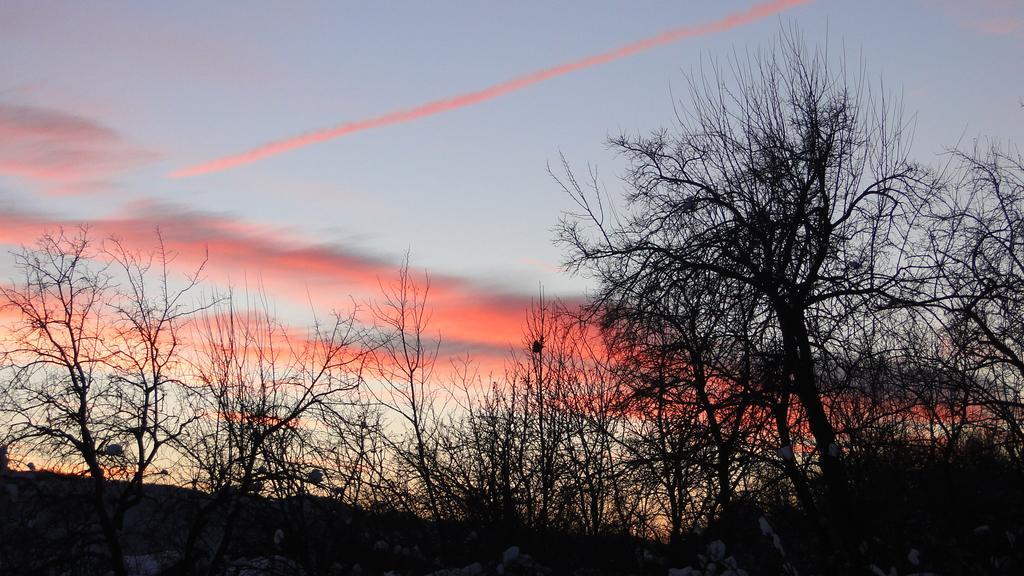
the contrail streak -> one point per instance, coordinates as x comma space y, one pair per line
754, 13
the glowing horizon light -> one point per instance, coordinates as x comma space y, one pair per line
732, 20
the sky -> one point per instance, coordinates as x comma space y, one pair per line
306, 147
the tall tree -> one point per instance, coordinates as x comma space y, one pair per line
973, 281
95, 362
403, 362
784, 177
260, 389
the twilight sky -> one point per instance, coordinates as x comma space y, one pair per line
308, 145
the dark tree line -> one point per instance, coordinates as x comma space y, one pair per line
803, 345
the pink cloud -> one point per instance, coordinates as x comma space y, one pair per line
993, 18
469, 315
998, 26
64, 152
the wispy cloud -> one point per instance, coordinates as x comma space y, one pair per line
733, 20
993, 18
64, 152
997, 26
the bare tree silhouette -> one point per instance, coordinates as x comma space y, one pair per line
786, 177
94, 364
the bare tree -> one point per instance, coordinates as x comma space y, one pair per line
784, 177
404, 361
95, 364
973, 283
542, 373
354, 454
260, 389
486, 446
591, 399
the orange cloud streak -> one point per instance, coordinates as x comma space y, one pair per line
730, 21
470, 316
